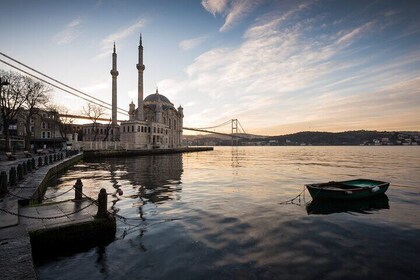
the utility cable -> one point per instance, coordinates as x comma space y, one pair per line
122, 111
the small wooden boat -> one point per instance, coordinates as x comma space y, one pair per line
352, 189
362, 206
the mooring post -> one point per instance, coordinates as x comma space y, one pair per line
12, 176
102, 204
28, 165
51, 159
39, 162
19, 172
78, 189
3, 182
24, 169
33, 164
46, 160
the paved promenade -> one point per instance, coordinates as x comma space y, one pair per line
15, 247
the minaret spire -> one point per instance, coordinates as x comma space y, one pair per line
114, 74
140, 69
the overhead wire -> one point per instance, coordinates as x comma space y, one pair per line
51, 84
121, 111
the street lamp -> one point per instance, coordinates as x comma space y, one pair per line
3, 83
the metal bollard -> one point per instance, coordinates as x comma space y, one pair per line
19, 171
102, 204
24, 170
12, 176
3, 182
46, 160
33, 164
28, 165
78, 189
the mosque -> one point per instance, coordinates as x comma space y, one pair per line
155, 123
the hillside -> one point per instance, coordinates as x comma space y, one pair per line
359, 137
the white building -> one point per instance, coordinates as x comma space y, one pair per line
155, 123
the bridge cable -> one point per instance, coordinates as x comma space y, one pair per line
216, 126
63, 89
38, 72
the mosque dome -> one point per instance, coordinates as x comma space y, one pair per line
155, 98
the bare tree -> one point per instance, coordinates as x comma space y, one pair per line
107, 130
12, 97
36, 98
94, 113
63, 122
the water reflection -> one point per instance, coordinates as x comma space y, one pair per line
225, 222
364, 206
155, 176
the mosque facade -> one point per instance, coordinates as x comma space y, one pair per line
155, 123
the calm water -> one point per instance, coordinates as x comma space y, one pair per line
216, 215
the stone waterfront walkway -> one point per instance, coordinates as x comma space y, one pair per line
15, 247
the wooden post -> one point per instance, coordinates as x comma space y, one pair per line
12, 176
102, 204
51, 159
78, 189
33, 163
3, 182
19, 172
39, 162
46, 160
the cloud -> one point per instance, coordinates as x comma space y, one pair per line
192, 43
107, 42
124, 32
214, 6
349, 36
96, 87
283, 67
232, 10
69, 33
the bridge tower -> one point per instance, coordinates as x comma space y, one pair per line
234, 131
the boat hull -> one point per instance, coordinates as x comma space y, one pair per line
347, 190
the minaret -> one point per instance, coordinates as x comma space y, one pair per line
114, 74
140, 69
131, 111
158, 109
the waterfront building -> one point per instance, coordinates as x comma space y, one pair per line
45, 128
155, 123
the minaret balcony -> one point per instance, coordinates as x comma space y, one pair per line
140, 67
114, 72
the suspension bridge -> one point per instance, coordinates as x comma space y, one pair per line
236, 131
232, 127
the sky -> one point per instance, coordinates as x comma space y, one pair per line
277, 66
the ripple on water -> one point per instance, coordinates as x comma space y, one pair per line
216, 215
